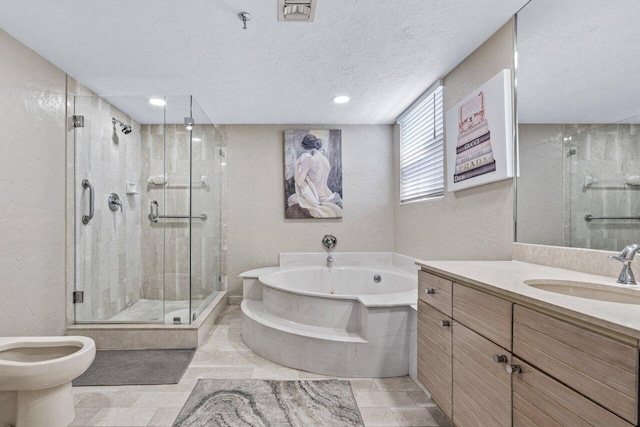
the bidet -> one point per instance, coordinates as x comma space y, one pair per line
35, 378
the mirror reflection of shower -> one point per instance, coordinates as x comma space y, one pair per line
126, 129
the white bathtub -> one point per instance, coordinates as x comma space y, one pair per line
337, 321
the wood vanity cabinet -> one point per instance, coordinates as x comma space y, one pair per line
489, 361
456, 365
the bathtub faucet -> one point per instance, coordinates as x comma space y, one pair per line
329, 261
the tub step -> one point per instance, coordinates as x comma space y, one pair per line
254, 310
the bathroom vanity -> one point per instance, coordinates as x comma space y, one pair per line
505, 343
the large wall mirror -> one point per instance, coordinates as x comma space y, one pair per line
578, 94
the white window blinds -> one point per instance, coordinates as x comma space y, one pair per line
421, 149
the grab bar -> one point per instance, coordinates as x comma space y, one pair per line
154, 216
201, 216
87, 218
590, 217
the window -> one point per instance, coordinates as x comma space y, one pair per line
421, 148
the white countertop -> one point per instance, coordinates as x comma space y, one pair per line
507, 278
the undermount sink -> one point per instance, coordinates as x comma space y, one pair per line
593, 291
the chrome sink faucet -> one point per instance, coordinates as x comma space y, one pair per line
625, 257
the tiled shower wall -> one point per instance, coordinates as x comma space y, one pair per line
553, 200
108, 249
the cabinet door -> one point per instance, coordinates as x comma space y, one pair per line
539, 400
434, 355
599, 367
481, 384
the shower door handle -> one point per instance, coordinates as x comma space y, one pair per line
87, 218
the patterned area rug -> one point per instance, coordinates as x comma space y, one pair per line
261, 403
136, 367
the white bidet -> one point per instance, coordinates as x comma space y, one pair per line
39, 371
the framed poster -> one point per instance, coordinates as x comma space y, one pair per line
313, 173
479, 135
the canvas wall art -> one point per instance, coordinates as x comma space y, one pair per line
313, 173
479, 135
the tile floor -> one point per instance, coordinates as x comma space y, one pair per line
382, 401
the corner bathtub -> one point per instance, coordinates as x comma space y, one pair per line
337, 321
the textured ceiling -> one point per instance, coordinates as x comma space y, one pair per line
382, 53
579, 61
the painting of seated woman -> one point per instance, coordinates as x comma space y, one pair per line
313, 173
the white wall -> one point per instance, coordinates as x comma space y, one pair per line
473, 224
258, 230
32, 184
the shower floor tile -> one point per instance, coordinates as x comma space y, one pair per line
382, 402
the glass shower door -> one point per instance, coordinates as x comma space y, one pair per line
206, 276
119, 251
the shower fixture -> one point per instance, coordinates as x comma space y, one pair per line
126, 129
189, 122
244, 17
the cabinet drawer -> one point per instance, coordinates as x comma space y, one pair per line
481, 386
599, 367
487, 315
539, 400
434, 355
435, 291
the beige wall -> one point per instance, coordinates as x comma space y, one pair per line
256, 225
32, 184
472, 224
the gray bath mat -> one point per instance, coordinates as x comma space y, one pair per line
136, 367
262, 403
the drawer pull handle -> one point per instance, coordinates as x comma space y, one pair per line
430, 291
500, 358
445, 323
514, 369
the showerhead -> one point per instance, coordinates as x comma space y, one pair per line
126, 129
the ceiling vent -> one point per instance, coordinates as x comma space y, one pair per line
296, 10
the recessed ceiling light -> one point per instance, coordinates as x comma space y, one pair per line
158, 102
196, 139
341, 99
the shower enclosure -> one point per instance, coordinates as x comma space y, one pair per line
147, 209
